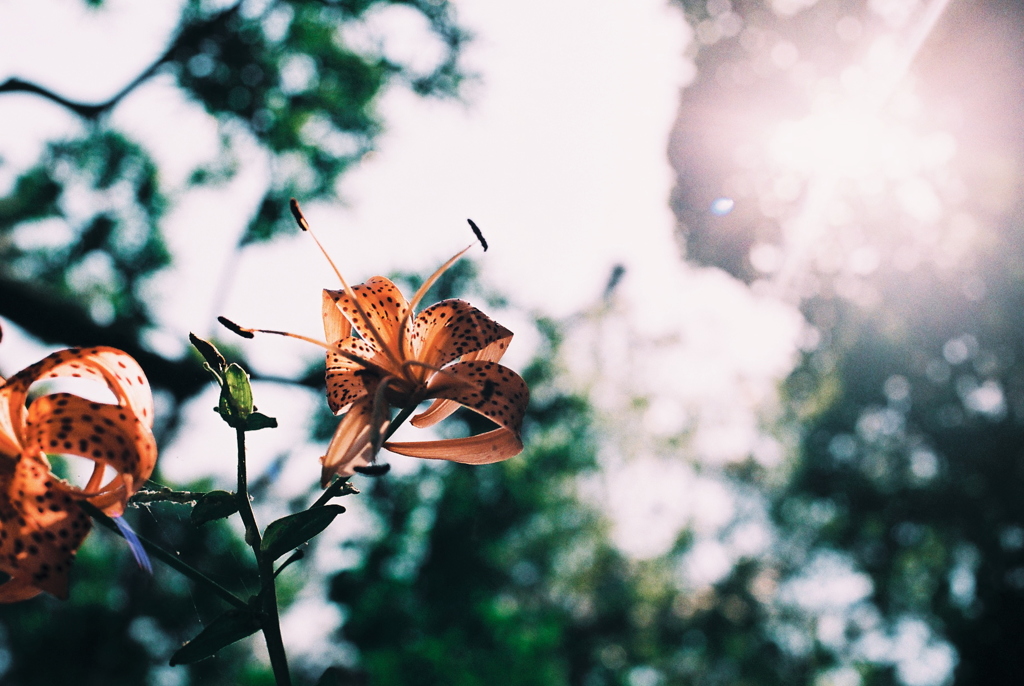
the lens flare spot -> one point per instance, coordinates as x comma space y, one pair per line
722, 206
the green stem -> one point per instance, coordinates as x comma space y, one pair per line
342, 486
166, 495
337, 487
167, 557
271, 624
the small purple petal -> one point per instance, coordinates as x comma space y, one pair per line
138, 552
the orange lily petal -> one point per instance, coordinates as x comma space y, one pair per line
10, 445
485, 448
488, 388
125, 378
41, 527
106, 434
347, 379
16, 590
452, 328
441, 408
385, 308
41, 522
115, 369
350, 446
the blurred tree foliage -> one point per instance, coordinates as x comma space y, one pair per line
910, 459
80, 232
910, 412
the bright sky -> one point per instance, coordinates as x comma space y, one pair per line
560, 157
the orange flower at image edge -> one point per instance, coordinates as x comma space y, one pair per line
41, 522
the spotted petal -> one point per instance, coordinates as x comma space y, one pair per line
109, 366
109, 435
384, 308
352, 372
41, 527
451, 329
485, 387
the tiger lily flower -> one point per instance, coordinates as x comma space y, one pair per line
41, 522
382, 355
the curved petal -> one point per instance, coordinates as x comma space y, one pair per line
10, 442
349, 380
125, 378
15, 590
384, 306
108, 435
114, 368
441, 408
350, 446
451, 329
41, 527
488, 388
485, 448
485, 387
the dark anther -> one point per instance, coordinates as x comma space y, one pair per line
479, 234
235, 328
297, 213
374, 469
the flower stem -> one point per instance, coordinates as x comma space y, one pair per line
167, 557
166, 495
271, 623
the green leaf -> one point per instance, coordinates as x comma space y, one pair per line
232, 626
214, 505
209, 352
294, 530
257, 421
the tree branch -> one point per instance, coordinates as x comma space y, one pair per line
93, 111
53, 319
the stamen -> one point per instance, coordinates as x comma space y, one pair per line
373, 469
433, 279
304, 225
378, 413
300, 219
251, 333
235, 328
422, 291
479, 234
96, 478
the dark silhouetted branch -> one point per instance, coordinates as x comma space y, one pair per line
56, 320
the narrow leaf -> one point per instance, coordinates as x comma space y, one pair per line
257, 421
214, 505
294, 530
232, 626
209, 352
